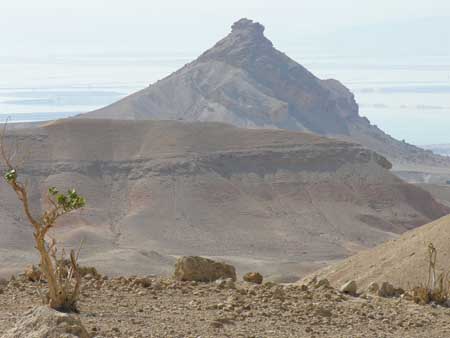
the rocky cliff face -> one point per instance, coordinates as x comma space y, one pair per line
157, 189
245, 81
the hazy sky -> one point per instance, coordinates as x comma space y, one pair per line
110, 25
395, 42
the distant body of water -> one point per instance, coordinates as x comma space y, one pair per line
407, 98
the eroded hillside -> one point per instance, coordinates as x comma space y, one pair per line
283, 202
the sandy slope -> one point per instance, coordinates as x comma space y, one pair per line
403, 261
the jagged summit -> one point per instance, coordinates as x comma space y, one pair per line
246, 38
243, 80
246, 29
246, 25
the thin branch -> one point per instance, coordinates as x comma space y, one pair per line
79, 249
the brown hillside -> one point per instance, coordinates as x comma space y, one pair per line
281, 202
402, 262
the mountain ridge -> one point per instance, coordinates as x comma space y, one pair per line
243, 80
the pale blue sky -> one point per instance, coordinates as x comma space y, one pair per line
28, 26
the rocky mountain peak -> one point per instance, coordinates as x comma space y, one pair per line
245, 40
246, 32
247, 26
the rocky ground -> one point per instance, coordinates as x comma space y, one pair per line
156, 307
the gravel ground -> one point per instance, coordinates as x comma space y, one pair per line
156, 307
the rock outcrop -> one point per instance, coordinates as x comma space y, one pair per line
43, 322
200, 269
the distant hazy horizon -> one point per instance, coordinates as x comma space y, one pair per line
60, 59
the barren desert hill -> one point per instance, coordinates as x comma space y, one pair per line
277, 201
441, 192
403, 261
245, 81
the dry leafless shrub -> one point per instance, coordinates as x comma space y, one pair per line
62, 275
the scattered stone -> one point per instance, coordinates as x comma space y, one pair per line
227, 283
122, 308
216, 324
89, 270
253, 277
322, 312
322, 283
312, 281
373, 288
349, 288
43, 322
33, 273
386, 290
399, 291
200, 269
142, 282
278, 293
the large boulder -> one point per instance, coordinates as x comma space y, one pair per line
194, 268
43, 322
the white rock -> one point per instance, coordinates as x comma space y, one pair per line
350, 288
43, 322
373, 287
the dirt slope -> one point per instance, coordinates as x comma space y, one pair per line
282, 202
440, 192
403, 261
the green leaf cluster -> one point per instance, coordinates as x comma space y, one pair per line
68, 202
11, 175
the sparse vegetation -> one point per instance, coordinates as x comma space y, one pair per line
62, 275
436, 290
